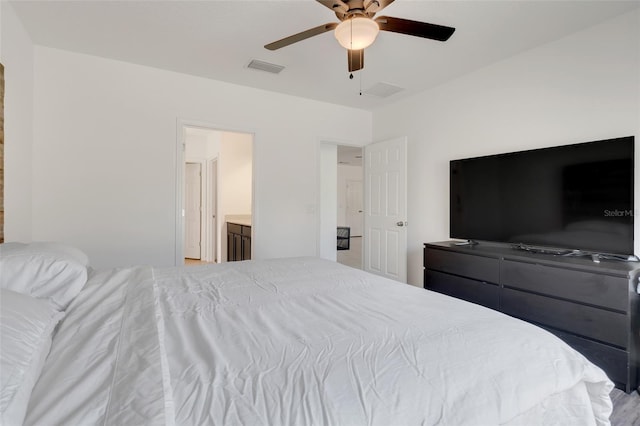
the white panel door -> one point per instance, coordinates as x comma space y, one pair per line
385, 213
193, 207
354, 207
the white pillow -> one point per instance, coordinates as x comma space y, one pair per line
26, 328
46, 270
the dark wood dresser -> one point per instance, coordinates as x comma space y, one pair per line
594, 307
238, 242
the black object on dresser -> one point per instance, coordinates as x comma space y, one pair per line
594, 307
238, 242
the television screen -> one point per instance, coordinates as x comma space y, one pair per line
575, 197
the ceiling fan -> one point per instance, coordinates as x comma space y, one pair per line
358, 29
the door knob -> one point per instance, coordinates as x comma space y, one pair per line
400, 223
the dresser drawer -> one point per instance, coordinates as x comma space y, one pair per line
476, 267
600, 290
599, 324
246, 230
463, 288
612, 360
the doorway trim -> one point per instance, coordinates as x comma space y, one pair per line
210, 235
181, 124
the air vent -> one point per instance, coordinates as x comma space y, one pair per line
265, 66
383, 90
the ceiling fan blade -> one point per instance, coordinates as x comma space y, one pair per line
415, 28
372, 7
301, 36
356, 59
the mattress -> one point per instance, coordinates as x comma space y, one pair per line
302, 341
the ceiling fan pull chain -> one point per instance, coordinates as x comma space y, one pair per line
351, 47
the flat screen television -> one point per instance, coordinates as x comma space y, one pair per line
574, 197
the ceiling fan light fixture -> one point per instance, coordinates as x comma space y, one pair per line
357, 33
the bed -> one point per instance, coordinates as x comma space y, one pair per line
300, 341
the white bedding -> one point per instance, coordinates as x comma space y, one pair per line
105, 361
302, 342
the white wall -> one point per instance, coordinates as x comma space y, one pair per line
235, 173
201, 144
581, 88
18, 60
104, 156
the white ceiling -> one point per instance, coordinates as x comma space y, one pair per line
217, 39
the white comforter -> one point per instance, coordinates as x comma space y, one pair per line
302, 342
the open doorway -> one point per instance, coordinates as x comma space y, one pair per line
341, 202
216, 187
350, 202
384, 237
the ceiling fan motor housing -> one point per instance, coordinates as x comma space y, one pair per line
349, 9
